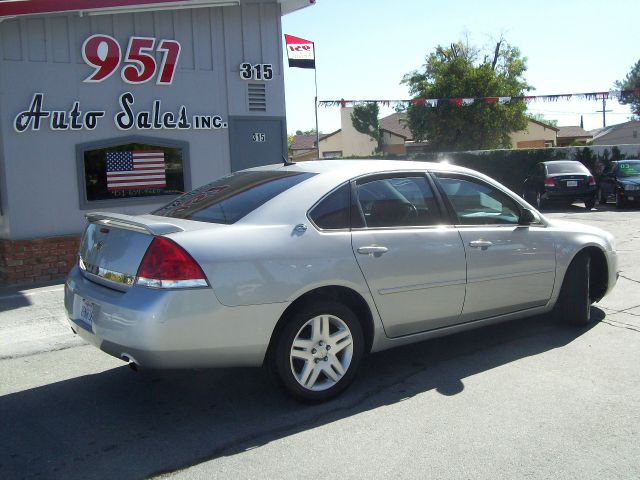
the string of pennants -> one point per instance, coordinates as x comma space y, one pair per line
463, 102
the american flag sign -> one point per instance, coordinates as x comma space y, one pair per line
135, 169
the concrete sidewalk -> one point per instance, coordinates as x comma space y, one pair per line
33, 320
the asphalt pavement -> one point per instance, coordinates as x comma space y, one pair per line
524, 399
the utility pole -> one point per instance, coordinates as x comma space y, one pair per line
604, 112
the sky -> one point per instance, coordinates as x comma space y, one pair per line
364, 48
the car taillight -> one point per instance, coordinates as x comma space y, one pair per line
592, 181
167, 265
548, 182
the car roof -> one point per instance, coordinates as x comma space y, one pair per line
355, 168
548, 162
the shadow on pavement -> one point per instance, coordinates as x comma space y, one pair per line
119, 424
11, 299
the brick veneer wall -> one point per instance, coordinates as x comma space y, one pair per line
39, 260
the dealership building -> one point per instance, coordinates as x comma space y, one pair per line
121, 105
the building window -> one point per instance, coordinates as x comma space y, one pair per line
331, 154
131, 171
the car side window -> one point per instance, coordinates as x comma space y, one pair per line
336, 211
399, 201
476, 202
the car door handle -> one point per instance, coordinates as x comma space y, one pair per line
483, 244
372, 250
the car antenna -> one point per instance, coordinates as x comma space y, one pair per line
287, 163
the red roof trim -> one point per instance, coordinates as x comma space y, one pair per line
30, 7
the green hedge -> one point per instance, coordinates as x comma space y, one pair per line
511, 167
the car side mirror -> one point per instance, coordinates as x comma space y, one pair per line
526, 217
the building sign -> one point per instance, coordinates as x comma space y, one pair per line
137, 65
104, 55
128, 117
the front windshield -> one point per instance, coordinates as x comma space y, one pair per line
629, 168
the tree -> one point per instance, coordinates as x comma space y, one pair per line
631, 82
365, 120
456, 72
540, 118
311, 131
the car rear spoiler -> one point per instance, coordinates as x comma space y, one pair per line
129, 222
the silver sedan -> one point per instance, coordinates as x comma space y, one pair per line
305, 268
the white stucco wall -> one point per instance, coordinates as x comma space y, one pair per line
38, 172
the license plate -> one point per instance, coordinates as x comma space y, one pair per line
86, 312
572, 183
631, 198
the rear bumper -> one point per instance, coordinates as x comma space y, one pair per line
170, 329
582, 194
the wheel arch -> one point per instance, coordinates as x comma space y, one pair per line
345, 295
598, 273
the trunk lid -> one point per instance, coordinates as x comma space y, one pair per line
113, 245
570, 182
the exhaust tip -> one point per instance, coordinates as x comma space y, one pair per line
133, 365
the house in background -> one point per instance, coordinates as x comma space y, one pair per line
348, 142
397, 138
536, 135
627, 133
303, 147
573, 135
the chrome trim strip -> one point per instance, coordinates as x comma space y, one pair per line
509, 275
420, 286
106, 274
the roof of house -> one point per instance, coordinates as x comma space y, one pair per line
396, 123
600, 132
303, 142
573, 131
308, 142
545, 125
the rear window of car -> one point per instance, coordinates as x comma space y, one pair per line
230, 198
566, 167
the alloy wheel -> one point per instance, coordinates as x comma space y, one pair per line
321, 352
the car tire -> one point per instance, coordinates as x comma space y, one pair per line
589, 203
619, 201
574, 303
318, 351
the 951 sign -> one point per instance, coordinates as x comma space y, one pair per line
104, 54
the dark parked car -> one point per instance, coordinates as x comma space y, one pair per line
562, 181
621, 181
